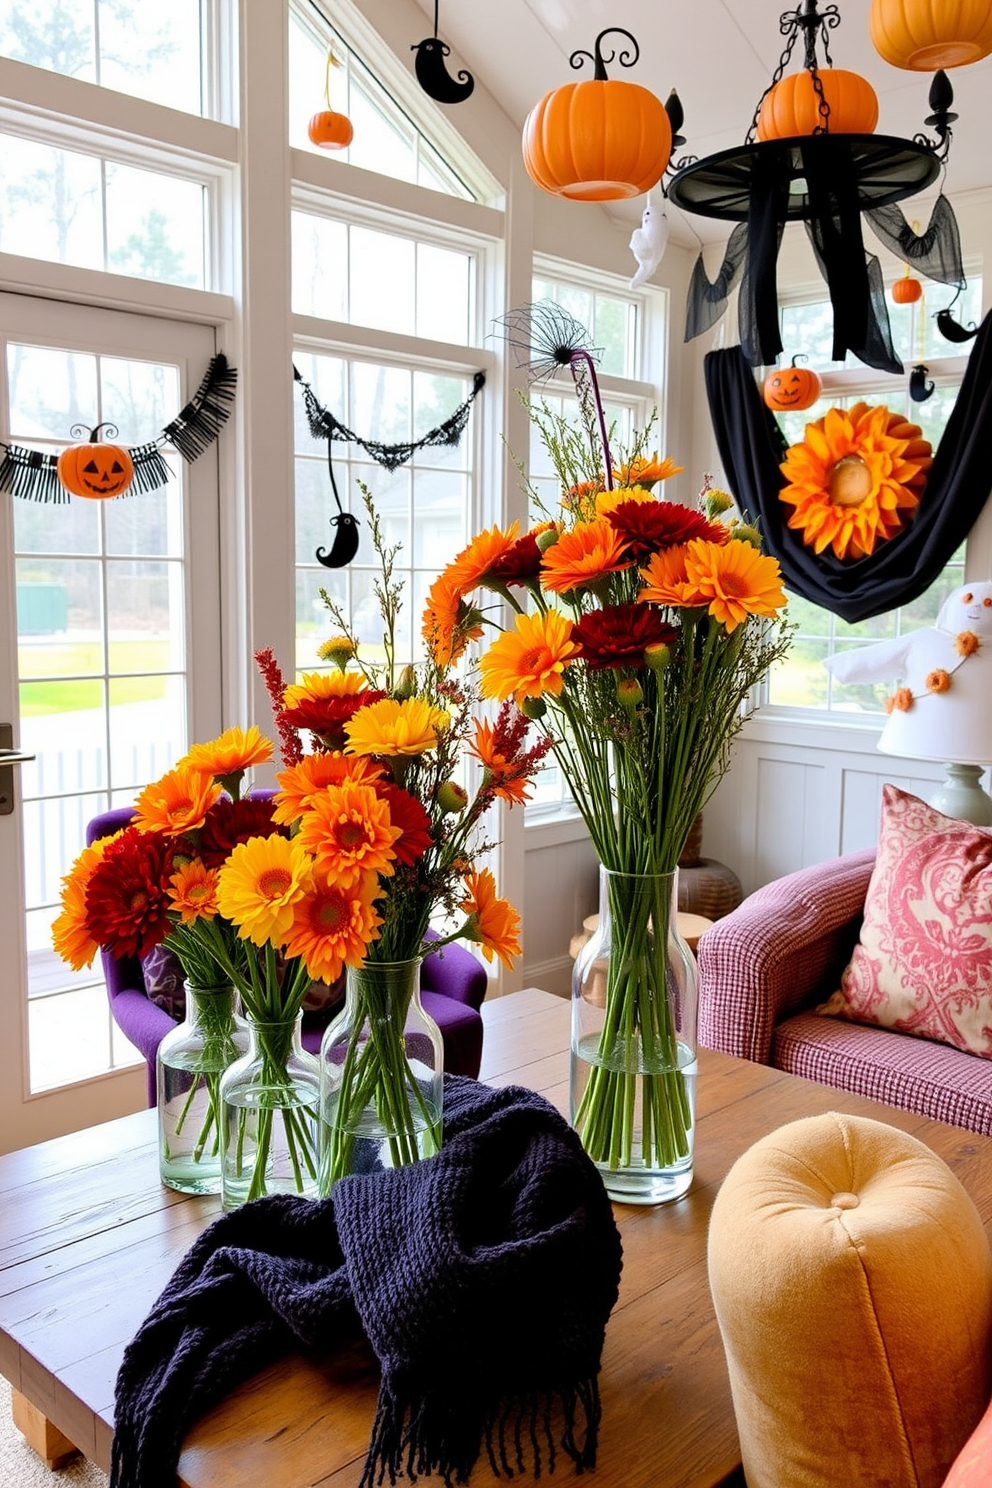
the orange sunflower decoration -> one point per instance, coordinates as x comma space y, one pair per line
855, 479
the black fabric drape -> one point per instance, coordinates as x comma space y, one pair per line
752, 448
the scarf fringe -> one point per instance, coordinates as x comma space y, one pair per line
415, 1437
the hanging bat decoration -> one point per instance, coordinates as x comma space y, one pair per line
35, 476
951, 330
919, 389
433, 76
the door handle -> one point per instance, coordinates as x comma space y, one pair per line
9, 757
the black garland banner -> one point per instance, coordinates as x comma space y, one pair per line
323, 425
33, 476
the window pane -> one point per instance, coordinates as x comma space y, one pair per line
320, 266
154, 226
382, 280
50, 204
443, 294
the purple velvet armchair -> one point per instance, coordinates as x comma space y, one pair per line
452, 983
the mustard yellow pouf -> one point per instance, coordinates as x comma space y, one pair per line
852, 1281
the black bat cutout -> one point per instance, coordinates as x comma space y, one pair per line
919, 389
433, 76
345, 544
950, 330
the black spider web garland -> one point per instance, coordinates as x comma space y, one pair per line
33, 476
323, 425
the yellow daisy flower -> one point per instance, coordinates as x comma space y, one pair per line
391, 727
316, 685
258, 886
529, 660
734, 580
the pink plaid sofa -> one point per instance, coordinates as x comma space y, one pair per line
764, 968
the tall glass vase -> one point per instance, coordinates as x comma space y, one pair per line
633, 1048
190, 1061
381, 1075
269, 1110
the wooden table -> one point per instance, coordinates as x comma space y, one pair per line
88, 1238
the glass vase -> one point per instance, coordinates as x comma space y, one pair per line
190, 1061
633, 1046
269, 1112
381, 1075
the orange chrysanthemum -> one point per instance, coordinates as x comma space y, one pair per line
193, 891
71, 936
529, 660
587, 554
854, 479
390, 727
644, 472
259, 885
234, 751
316, 686
449, 623
333, 926
734, 580
492, 922
177, 803
474, 563
300, 784
349, 832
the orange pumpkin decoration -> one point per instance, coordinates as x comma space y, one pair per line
792, 106
600, 140
924, 35
331, 131
907, 291
95, 470
793, 388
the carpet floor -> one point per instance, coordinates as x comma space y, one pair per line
21, 1467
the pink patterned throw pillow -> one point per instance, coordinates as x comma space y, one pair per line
923, 964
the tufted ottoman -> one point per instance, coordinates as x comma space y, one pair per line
852, 1281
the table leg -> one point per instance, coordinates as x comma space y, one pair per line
47, 1440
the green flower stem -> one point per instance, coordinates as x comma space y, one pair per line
214, 1012
275, 1042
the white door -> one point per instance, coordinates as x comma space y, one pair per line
109, 660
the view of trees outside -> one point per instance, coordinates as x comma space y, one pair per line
801, 680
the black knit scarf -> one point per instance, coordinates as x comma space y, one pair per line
483, 1278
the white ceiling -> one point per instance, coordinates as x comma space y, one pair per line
720, 56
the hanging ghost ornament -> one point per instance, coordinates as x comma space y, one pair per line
919, 388
433, 76
345, 544
648, 242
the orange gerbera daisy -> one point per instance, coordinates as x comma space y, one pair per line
71, 936
590, 552
492, 922
855, 478
177, 803
449, 623
529, 660
665, 579
349, 831
473, 563
259, 885
390, 727
315, 772
334, 926
735, 580
193, 891
232, 753
644, 472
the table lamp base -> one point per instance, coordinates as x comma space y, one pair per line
961, 796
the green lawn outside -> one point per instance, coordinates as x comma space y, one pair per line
60, 678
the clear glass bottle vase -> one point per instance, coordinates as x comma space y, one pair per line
190, 1061
269, 1113
381, 1075
633, 1046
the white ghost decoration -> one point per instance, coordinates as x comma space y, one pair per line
648, 242
951, 721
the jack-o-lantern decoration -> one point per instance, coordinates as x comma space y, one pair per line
599, 140
907, 291
95, 470
791, 389
923, 36
793, 107
330, 130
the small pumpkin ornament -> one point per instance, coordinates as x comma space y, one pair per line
792, 106
907, 291
94, 470
926, 35
791, 389
599, 140
330, 130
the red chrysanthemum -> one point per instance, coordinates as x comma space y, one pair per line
649, 526
619, 635
406, 812
229, 822
522, 563
127, 897
326, 716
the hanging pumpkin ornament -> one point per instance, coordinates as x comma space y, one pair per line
329, 130
433, 76
792, 388
95, 470
598, 140
924, 35
907, 291
795, 106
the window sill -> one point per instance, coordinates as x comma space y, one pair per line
555, 829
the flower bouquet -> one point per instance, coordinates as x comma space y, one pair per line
640, 628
